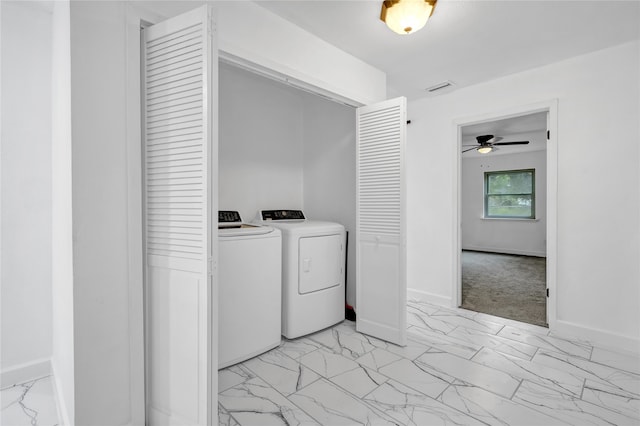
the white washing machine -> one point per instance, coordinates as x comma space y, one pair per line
313, 262
250, 287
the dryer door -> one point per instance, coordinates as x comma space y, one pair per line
320, 262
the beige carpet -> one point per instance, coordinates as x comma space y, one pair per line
505, 285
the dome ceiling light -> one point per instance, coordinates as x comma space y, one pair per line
406, 16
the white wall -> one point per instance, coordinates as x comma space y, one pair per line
62, 359
598, 201
262, 38
515, 236
26, 189
281, 147
260, 144
100, 257
330, 172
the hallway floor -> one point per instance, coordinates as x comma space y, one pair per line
30, 404
459, 367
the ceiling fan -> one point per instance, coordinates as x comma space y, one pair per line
487, 142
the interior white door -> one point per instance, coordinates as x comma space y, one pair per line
381, 288
179, 143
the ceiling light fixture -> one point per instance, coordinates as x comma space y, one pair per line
485, 149
406, 16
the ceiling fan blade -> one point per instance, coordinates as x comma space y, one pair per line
470, 149
512, 143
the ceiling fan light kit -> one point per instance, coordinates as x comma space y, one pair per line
487, 142
406, 16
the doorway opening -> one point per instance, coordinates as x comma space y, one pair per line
506, 214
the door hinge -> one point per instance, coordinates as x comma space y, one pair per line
547, 292
210, 266
548, 134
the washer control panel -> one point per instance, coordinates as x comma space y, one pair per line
227, 216
282, 215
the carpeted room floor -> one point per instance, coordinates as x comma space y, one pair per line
504, 285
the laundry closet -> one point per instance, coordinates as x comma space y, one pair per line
281, 147
224, 139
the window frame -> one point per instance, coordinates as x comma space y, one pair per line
486, 194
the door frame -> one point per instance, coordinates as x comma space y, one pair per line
551, 107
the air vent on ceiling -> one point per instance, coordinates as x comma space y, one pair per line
440, 86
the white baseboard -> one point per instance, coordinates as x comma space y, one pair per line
506, 251
25, 372
596, 337
414, 295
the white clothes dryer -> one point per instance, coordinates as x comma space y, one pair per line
249, 296
313, 271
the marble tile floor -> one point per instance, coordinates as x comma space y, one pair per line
30, 403
459, 368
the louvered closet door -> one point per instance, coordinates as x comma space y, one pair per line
381, 289
179, 143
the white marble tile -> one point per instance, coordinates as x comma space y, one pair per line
491, 408
457, 311
411, 374
433, 371
461, 377
346, 326
424, 308
623, 361
612, 399
567, 408
298, 347
339, 342
29, 403
449, 344
618, 379
529, 328
359, 381
285, 374
254, 402
547, 342
330, 405
377, 358
328, 364
418, 319
232, 376
497, 343
412, 408
474, 322
224, 418
555, 379
470, 372
412, 350
570, 337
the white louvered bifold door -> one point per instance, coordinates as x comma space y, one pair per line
179, 145
381, 288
